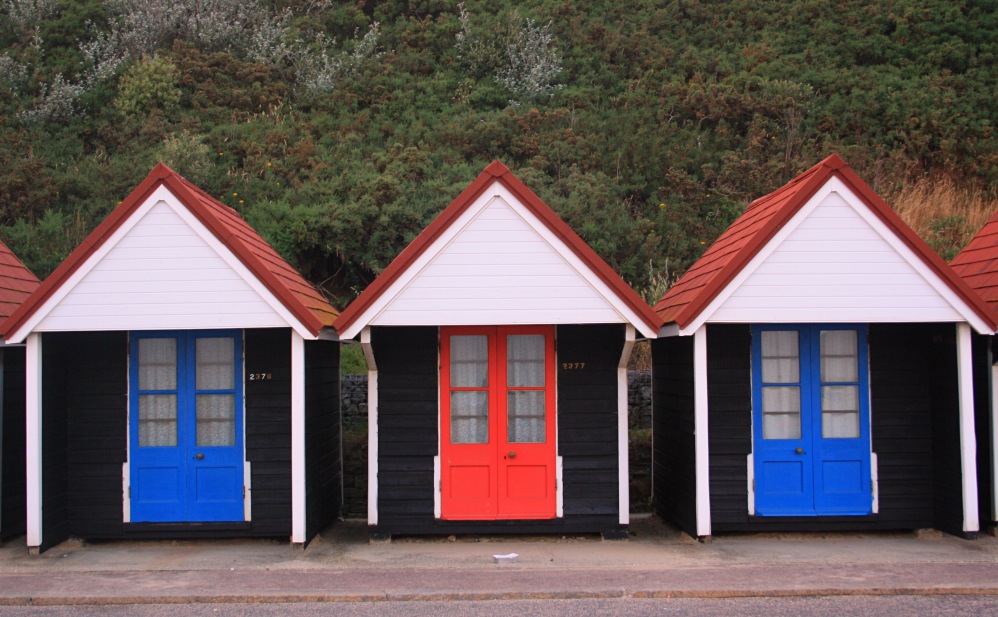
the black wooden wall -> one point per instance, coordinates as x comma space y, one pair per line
983, 355
673, 438
407, 426
587, 423
85, 437
323, 459
947, 470
55, 516
408, 391
12, 518
268, 430
914, 425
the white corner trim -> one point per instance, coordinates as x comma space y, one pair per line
248, 488
33, 433
437, 487
496, 191
836, 186
875, 480
623, 470
559, 501
750, 484
968, 443
700, 409
297, 439
372, 427
126, 487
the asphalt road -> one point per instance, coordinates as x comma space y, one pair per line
858, 606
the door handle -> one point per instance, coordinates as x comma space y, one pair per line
799, 450
199, 456
512, 455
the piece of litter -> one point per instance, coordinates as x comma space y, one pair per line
510, 558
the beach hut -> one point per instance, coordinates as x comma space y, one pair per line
182, 381
814, 372
497, 345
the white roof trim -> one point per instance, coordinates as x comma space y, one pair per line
835, 185
164, 195
496, 190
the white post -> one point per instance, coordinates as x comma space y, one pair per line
372, 427
968, 443
33, 433
700, 428
297, 439
623, 450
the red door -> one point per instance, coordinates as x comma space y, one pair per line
497, 423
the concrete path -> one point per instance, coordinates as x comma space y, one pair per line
657, 561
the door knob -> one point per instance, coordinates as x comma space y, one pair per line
799, 450
512, 455
199, 456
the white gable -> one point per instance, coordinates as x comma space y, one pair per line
497, 264
836, 262
162, 269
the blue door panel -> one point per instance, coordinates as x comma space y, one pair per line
812, 475
187, 482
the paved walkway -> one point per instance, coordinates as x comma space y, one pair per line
341, 565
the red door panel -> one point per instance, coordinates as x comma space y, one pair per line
497, 423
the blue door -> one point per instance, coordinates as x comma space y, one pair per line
186, 426
811, 420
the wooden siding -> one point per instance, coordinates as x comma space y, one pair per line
913, 424
983, 419
408, 411
729, 421
12, 518
85, 439
96, 374
498, 270
323, 460
162, 274
268, 430
55, 515
947, 470
407, 424
587, 420
836, 267
673, 444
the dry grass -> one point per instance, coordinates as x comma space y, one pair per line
943, 213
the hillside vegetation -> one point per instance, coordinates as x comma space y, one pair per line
340, 128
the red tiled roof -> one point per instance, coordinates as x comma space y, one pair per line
300, 298
16, 282
977, 263
763, 218
497, 172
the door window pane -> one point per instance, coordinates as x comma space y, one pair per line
525, 416
781, 412
157, 364
840, 412
157, 419
780, 356
525, 360
839, 356
216, 420
469, 361
469, 417
215, 363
